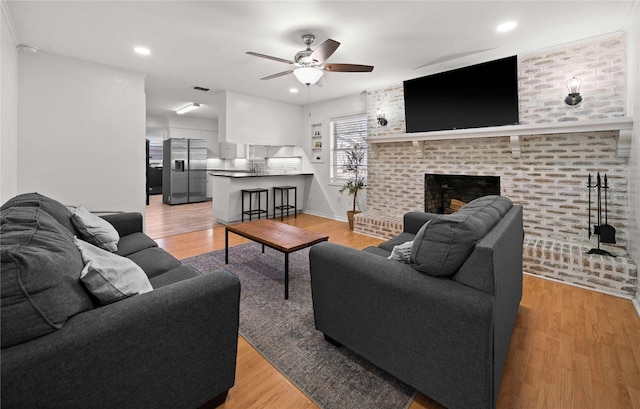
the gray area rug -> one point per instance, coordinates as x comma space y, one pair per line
283, 331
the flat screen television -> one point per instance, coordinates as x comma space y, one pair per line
471, 97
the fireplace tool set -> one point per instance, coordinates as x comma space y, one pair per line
605, 232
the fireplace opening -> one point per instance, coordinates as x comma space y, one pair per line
446, 193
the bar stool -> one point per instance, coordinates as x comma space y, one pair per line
285, 206
259, 210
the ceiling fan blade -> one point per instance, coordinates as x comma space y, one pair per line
280, 74
322, 81
268, 57
324, 50
347, 68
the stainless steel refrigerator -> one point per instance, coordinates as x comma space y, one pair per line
184, 171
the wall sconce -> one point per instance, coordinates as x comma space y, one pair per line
381, 119
574, 97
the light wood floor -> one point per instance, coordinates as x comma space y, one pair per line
571, 348
164, 220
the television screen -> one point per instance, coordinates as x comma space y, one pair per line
471, 97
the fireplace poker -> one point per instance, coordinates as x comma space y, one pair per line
589, 212
605, 233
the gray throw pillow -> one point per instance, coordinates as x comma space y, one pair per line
55, 209
95, 230
40, 275
442, 245
402, 252
110, 277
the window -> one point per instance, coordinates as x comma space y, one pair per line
347, 132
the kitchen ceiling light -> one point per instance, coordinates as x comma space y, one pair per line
188, 108
293, 90
308, 75
142, 50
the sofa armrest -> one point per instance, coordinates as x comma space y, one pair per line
413, 221
125, 223
172, 347
430, 332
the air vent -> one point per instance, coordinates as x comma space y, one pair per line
201, 89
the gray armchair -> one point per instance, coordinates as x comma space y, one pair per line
445, 335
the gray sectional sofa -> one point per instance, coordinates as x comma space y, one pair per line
440, 315
172, 346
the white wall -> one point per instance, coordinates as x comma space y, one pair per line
8, 108
248, 119
81, 132
157, 121
633, 100
324, 198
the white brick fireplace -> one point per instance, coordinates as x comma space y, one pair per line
543, 163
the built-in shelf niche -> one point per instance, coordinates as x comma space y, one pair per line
316, 147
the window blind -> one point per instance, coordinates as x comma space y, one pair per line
347, 132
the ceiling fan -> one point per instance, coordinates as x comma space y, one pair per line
309, 64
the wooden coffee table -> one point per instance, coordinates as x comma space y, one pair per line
278, 236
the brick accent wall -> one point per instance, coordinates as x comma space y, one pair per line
550, 177
542, 81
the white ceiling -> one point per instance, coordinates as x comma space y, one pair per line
204, 42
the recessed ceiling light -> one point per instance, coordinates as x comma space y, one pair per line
506, 26
293, 90
142, 50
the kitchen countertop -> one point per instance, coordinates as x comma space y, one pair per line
236, 174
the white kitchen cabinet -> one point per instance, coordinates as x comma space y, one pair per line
232, 150
258, 151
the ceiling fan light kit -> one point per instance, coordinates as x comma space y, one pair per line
307, 75
309, 64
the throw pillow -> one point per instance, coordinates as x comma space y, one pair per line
55, 209
442, 246
402, 252
95, 229
40, 275
110, 277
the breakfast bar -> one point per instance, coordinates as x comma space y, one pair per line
226, 187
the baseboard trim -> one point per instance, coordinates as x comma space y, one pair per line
326, 216
597, 290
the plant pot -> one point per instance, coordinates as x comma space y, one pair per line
350, 214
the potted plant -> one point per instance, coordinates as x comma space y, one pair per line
355, 167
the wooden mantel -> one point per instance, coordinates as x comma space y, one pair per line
624, 125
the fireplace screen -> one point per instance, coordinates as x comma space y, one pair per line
447, 193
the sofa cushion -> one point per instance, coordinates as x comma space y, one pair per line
442, 245
377, 251
55, 209
95, 230
134, 243
40, 275
154, 261
110, 277
173, 276
399, 239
